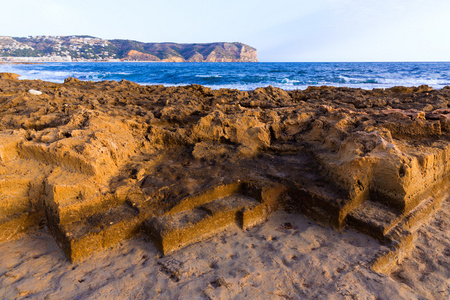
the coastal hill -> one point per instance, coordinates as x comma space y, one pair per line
87, 48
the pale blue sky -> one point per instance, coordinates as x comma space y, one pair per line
281, 30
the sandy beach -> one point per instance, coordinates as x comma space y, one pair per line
288, 257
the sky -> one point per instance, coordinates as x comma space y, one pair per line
281, 30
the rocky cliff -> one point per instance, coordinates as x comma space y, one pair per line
86, 48
171, 52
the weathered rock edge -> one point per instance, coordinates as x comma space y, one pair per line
100, 162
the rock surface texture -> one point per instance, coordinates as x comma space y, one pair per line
171, 52
100, 162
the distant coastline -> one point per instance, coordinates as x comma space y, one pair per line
38, 62
19, 63
93, 49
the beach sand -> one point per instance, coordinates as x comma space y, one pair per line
287, 257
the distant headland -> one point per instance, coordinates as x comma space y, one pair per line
93, 49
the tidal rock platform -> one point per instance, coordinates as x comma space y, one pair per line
100, 162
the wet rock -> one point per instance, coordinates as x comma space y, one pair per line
71, 80
9, 76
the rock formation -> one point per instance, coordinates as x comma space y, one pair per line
99, 162
171, 52
139, 56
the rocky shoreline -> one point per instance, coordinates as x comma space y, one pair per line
99, 163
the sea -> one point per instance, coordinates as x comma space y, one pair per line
246, 76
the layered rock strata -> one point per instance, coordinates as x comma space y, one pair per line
101, 162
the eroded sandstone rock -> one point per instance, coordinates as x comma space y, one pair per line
9, 76
99, 162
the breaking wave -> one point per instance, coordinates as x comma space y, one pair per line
245, 76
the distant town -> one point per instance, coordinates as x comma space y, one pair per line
89, 49
55, 48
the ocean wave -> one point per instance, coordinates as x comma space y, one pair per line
415, 81
246, 76
281, 71
357, 80
288, 81
208, 76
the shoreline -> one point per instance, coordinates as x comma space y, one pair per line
19, 63
408, 87
238, 76
131, 61
262, 62
240, 173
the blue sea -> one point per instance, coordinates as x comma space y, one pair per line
246, 76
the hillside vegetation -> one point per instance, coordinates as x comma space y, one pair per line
87, 48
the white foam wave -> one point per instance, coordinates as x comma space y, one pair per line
435, 82
208, 76
287, 81
244, 79
32, 72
